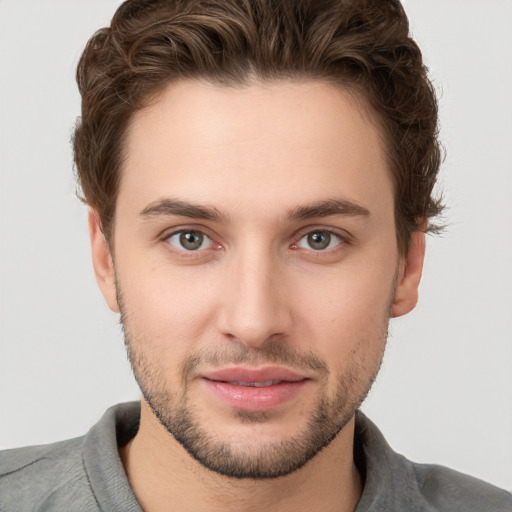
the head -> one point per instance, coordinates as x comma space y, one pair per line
362, 47
260, 178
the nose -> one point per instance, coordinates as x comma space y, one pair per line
255, 305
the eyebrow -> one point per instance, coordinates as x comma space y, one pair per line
327, 208
171, 206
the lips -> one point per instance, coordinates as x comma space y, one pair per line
241, 374
254, 389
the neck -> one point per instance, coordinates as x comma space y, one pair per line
161, 473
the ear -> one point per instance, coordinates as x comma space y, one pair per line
102, 261
406, 294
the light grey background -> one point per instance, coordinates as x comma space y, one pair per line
445, 391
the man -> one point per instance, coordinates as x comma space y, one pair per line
260, 178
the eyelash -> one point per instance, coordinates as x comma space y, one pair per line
343, 241
183, 252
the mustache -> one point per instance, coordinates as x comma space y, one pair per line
272, 351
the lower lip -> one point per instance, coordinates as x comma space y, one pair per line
250, 398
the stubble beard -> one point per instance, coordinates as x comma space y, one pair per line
177, 414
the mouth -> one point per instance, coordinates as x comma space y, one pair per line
254, 389
263, 384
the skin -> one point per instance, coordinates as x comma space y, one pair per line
256, 156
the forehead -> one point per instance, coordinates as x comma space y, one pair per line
284, 142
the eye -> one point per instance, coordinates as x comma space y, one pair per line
319, 240
190, 240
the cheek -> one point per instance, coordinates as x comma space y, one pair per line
168, 308
348, 313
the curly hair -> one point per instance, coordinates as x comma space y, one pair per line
363, 45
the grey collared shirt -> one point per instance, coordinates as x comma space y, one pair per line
86, 474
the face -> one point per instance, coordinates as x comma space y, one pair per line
255, 266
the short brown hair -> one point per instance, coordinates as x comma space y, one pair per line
363, 45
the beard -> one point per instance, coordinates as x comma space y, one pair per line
180, 417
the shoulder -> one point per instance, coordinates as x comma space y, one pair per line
17, 459
81, 474
45, 477
394, 483
444, 489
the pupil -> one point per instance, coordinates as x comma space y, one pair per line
191, 240
319, 240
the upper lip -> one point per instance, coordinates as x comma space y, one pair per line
241, 374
